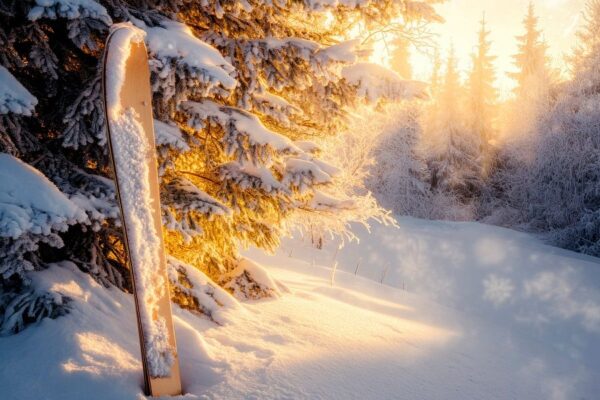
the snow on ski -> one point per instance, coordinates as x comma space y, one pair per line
132, 147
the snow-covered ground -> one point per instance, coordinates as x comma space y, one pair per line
466, 311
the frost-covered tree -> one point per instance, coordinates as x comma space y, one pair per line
531, 60
398, 177
453, 150
534, 79
587, 48
558, 190
481, 91
521, 132
243, 91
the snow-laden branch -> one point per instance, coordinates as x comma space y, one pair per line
14, 98
30, 203
242, 130
173, 47
70, 9
184, 204
247, 176
169, 135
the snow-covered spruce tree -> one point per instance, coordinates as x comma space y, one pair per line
531, 60
559, 190
287, 65
239, 87
398, 178
69, 214
453, 149
27, 220
482, 94
534, 79
522, 133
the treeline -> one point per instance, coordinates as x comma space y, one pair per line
530, 163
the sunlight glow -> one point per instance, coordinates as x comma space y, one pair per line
381, 48
558, 19
100, 356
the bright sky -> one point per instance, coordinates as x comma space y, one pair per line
558, 19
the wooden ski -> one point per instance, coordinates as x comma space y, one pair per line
132, 97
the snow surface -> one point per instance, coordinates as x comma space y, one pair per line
215, 302
250, 278
14, 98
357, 339
29, 202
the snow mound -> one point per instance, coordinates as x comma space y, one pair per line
205, 296
70, 9
30, 203
250, 280
14, 97
375, 82
94, 351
